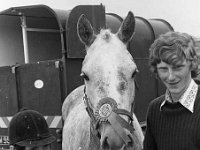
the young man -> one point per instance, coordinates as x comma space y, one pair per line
173, 119
28, 130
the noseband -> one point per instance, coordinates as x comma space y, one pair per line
107, 112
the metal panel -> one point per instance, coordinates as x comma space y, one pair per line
96, 15
142, 39
38, 11
73, 70
160, 26
11, 43
113, 22
8, 93
32, 10
8, 102
39, 87
147, 89
44, 46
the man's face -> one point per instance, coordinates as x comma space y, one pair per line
175, 78
45, 147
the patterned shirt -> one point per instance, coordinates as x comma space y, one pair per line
187, 99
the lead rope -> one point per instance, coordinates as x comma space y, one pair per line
91, 114
94, 135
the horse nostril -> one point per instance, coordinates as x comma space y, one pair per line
105, 144
130, 143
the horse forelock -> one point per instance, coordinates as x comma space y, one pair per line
105, 35
103, 39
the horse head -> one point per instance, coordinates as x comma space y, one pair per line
109, 75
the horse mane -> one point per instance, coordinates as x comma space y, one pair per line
72, 101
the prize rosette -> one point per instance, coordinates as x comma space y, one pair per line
104, 108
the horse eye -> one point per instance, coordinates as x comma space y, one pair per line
84, 76
134, 73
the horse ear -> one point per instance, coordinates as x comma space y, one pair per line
85, 31
127, 28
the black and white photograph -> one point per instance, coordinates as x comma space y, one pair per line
100, 75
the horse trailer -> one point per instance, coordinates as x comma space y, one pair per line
41, 58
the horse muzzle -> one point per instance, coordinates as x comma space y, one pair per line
111, 140
114, 131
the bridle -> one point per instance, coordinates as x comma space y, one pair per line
107, 112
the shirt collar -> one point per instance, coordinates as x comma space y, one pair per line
187, 99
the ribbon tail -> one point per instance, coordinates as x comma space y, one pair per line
118, 128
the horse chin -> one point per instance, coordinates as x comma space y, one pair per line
110, 140
124, 147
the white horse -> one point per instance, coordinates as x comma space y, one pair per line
99, 115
